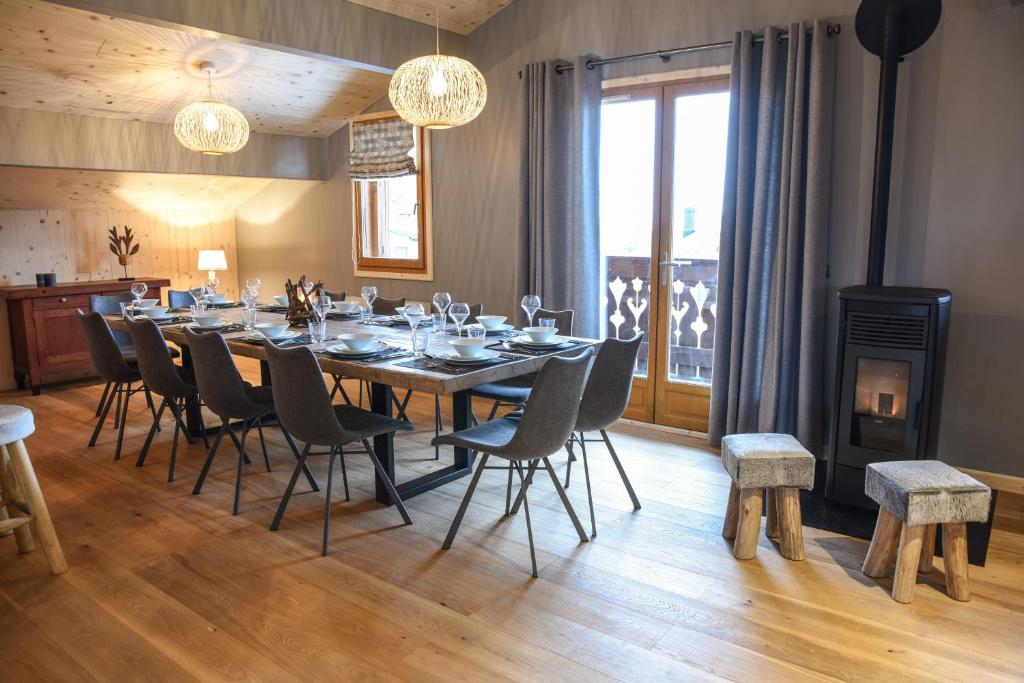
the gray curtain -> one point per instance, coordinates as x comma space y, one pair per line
770, 334
559, 247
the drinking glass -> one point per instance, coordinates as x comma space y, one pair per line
317, 331
442, 300
413, 314
198, 308
249, 318
369, 293
546, 322
198, 294
530, 304
476, 331
438, 320
126, 313
249, 298
458, 313
139, 290
365, 313
420, 340
253, 284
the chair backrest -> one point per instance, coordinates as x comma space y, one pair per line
301, 402
611, 378
382, 306
103, 349
111, 305
177, 298
474, 311
563, 319
336, 296
217, 378
155, 363
550, 414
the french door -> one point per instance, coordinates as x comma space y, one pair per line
662, 181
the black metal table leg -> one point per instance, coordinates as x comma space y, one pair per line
193, 414
383, 445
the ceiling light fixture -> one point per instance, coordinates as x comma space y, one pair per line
438, 91
211, 127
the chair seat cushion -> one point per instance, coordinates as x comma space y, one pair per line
365, 424
262, 395
927, 492
514, 390
488, 437
16, 423
767, 460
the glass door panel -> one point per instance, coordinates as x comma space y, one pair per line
881, 394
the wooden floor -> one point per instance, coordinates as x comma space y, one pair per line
166, 586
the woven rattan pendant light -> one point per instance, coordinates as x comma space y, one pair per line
211, 127
438, 91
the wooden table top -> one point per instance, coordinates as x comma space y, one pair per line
385, 372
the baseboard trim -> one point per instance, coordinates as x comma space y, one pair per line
1000, 482
665, 428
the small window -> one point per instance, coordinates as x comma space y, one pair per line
390, 199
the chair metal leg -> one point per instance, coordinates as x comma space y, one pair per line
494, 409
174, 444
526, 511
529, 482
209, 460
565, 501
103, 418
177, 407
327, 499
395, 498
438, 425
338, 386
202, 424
457, 522
238, 473
622, 472
149, 402
152, 432
124, 421
300, 465
305, 468
590, 494
238, 445
103, 399
344, 472
263, 442
508, 491
118, 390
572, 456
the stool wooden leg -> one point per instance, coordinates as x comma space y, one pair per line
790, 522
749, 523
882, 551
907, 559
771, 504
927, 549
731, 513
8, 482
954, 553
37, 505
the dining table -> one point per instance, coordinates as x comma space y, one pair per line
398, 370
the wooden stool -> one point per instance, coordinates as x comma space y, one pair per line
913, 497
16, 474
757, 463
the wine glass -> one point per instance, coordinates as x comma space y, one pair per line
198, 294
321, 305
253, 284
369, 293
530, 304
139, 290
442, 300
458, 313
413, 315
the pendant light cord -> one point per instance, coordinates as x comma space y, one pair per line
437, 30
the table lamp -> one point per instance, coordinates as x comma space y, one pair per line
212, 260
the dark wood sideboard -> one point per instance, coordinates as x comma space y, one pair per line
45, 336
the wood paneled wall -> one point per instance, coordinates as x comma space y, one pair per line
73, 244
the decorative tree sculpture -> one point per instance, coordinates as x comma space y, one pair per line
300, 300
121, 246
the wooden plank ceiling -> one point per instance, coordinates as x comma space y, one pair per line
62, 59
458, 16
49, 188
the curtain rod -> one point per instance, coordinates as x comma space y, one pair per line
665, 55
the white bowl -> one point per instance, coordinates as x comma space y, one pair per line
346, 306
491, 322
540, 334
147, 303
468, 348
218, 298
400, 310
155, 312
206, 320
280, 300
358, 341
272, 330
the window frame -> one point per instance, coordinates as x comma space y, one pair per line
422, 267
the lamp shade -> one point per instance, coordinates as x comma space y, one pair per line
212, 128
438, 91
212, 259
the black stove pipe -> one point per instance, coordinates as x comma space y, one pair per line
883, 145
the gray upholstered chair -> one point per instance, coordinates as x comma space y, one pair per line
304, 408
177, 298
174, 384
383, 306
542, 430
230, 398
604, 400
336, 296
512, 393
112, 367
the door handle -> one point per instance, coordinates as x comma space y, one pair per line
665, 264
